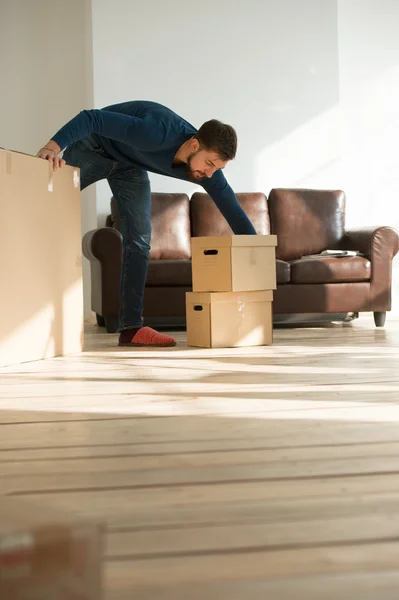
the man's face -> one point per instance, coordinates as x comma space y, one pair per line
201, 164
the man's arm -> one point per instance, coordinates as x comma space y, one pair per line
226, 201
142, 133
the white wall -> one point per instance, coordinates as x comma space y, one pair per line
369, 102
266, 67
46, 78
368, 43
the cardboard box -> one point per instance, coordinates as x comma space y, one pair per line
45, 555
41, 300
234, 263
230, 319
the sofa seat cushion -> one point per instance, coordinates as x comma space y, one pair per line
330, 270
169, 273
283, 272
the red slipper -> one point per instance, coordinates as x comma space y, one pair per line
146, 336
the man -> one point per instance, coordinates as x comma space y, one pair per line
121, 143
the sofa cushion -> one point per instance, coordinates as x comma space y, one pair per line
170, 220
283, 272
306, 221
169, 273
206, 219
330, 270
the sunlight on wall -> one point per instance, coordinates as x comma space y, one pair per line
352, 147
369, 165
309, 156
369, 138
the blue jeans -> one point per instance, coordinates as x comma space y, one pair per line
130, 187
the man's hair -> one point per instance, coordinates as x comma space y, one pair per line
218, 137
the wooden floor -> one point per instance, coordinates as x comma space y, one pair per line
240, 474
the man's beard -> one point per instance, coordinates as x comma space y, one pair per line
194, 175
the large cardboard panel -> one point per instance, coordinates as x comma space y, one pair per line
46, 554
227, 320
234, 263
41, 303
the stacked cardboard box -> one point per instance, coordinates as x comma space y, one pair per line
41, 301
47, 555
233, 282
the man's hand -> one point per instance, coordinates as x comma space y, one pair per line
49, 152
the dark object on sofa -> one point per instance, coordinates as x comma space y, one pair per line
306, 222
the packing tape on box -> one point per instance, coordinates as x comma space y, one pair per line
252, 256
240, 306
76, 178
8, 163
5, 163
51, 175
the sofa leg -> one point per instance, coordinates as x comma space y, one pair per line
111, 324
379, 318
100, 320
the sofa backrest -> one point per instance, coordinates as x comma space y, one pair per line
306, 221
170, 220
206, 219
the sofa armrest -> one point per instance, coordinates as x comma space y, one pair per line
379, 245
370, 241
104, 244
103, 248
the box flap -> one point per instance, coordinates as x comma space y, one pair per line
2, 149
7, 156
208, 297
220, 241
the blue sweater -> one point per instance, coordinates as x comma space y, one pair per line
149, 135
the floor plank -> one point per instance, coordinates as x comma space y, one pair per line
216, 539
232, 566
187, 475
102, 459
363, 586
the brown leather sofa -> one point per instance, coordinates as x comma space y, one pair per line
306, 223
